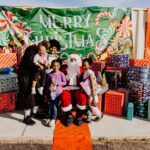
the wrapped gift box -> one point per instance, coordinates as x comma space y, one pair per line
138, 73
126, 99
114, 102
141, 109
8, 82
136, 90
123, 73
98, 66
119, 60
130, 111
7, 101
139, 62
146, 92
114, 78
8, 60
139, 91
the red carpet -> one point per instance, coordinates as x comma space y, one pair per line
72, 138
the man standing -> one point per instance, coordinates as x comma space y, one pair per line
72, 91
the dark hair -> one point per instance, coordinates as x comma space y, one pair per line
55, 43
44, 43
56, 61
89, 60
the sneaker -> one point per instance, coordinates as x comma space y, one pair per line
28, 121
40, 90
69, 121
33, 91
52, 123
46, 122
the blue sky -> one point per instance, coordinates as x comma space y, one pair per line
76, 3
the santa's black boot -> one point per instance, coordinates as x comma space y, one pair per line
69, 117
79, 115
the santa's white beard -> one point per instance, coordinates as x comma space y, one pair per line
73, 70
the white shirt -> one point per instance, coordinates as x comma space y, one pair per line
88, 73
38, 59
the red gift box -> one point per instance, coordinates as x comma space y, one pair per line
114, 102
7, 101
8, 60
98, 66
139, 62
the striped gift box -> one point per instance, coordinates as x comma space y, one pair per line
139, 62
8, 60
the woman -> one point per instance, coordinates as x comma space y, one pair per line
25, 76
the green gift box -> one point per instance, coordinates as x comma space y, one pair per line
130, 111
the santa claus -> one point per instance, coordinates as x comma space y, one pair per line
72, 91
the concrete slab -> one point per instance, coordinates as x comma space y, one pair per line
39, 131
110, 127
115, 127
11, 124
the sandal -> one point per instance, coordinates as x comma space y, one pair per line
47, 122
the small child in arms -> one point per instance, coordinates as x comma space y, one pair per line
40, 61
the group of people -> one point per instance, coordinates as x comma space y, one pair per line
43, 77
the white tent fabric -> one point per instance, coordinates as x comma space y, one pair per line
138, 28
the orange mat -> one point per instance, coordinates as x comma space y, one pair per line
72, 138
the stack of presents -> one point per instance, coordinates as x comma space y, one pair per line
129, 87
8, 81
125, 83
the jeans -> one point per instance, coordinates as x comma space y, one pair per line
53, 108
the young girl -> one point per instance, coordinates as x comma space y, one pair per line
93, 100
54, 87
40, 60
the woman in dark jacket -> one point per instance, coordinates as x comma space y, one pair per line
25, 76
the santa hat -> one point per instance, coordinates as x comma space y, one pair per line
75, 56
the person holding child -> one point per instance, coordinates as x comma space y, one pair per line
54, 87
25, 78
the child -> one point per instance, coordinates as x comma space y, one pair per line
89, 74
40, 61
54, 87
53, 53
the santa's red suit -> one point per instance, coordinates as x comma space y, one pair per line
73, 72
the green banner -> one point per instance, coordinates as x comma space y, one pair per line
96, 30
